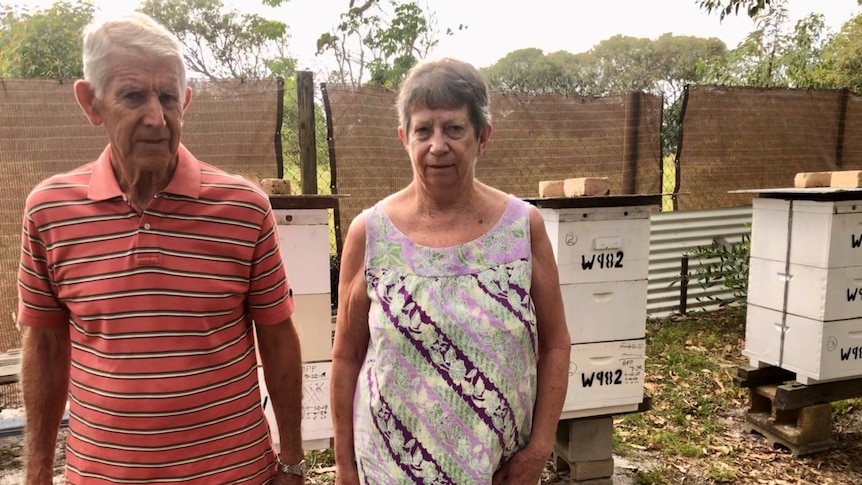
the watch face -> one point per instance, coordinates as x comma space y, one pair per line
297, 469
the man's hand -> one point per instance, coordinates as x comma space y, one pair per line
288, 479
524, 468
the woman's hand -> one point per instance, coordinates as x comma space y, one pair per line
346, 475
524, 468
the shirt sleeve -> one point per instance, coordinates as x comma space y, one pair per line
38, 305
270, 298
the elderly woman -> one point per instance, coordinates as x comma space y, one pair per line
451, 349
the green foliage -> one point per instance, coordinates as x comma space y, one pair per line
723, 265
615, 65
223, 43
531, 71
371, 48
727, 7
44, 43
842, 58
774, 55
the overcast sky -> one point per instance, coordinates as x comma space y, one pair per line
495, 27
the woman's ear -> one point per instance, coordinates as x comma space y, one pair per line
402, 135
483, 138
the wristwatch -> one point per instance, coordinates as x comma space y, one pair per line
298, 469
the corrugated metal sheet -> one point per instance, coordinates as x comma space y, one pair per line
672, 234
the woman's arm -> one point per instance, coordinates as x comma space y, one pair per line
554, 340
526, 466
351, 345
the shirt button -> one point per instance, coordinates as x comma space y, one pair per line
147, 226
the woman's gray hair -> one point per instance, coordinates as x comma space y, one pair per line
444, 84
135, 34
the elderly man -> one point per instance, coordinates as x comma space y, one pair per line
144, 276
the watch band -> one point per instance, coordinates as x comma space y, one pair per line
297, 469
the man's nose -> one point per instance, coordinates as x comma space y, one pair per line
154, 114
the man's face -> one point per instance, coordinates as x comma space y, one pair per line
142, 109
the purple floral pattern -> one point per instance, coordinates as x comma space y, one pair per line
447, 389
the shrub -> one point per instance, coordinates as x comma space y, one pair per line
723, 265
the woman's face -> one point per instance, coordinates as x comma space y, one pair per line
443, 145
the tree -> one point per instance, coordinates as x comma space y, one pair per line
662, 67
842, 58
727, 7
371, 48
222, 43
45, 43
775, 56
530, 71
615, 65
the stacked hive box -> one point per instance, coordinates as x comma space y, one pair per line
805, 283
303, 232
601, 245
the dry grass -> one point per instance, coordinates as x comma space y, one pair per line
695, 433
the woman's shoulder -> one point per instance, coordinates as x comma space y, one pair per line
514, 206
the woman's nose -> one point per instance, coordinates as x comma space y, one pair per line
439, 144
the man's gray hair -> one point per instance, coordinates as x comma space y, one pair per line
135, 34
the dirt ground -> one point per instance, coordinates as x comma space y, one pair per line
11, 472
832, 466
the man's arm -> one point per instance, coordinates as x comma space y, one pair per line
282, 368
45, 365
351, 344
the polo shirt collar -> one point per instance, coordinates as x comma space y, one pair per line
186, 180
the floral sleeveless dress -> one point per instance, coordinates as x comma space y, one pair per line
447, 389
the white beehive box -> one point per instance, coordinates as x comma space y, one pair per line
605, 378
303, 235
600, 244
313, 321
811, 292
822, 234
816, 351
304, 241
316, 424
601, 312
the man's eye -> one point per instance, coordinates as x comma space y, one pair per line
169, 98
133, 95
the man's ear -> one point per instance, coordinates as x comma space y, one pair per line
86, 100
188, 98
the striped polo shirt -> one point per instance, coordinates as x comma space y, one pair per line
160, 305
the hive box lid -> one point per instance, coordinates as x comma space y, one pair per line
595, 201
812, 193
